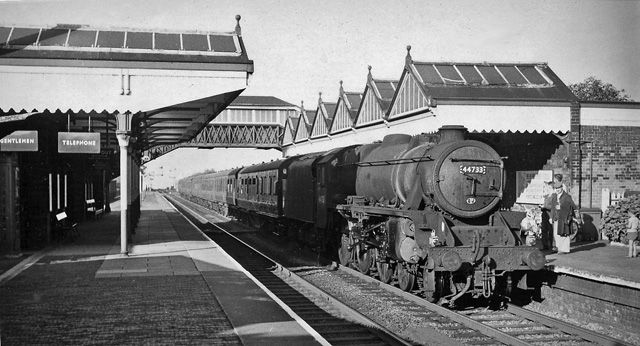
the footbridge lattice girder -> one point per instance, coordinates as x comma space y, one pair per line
263, 136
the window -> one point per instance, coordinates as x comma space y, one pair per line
140, 40
512, 75
167, 41
449, 74
4, 35
428, 73
53, 37
194, 42
24, 36
222, 43
470, 74
532, 75
110, 39
81, 38
491, 75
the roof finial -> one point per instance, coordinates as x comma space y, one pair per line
341, 90
408, 59
238, 30
369, 76
301, 106
320, 97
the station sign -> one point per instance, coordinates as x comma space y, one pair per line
79, 142
20, 141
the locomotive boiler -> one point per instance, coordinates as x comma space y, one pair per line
426, 213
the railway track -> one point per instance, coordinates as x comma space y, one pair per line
333, 321
512, 326
480, 326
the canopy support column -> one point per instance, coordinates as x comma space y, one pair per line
124, 135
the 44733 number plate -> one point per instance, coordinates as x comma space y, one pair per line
471, 169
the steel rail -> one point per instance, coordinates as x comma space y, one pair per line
550, 322
565, 326
330, 299
469, 322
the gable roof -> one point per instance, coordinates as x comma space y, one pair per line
488, 81
376, 99
345, 112
289, 130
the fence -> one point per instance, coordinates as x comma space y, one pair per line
610, 198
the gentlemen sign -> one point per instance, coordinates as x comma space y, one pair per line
79, 142
20, 141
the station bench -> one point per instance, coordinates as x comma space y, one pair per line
93, 209
66, 228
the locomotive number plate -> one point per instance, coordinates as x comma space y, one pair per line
464, 169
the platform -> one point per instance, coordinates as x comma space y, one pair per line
174, 287
598, 261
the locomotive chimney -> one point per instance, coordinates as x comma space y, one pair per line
452, 133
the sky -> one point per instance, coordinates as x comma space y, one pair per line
301, 48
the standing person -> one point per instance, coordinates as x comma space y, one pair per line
632, 234
562, 213
547, 224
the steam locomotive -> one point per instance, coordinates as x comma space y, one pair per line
423, 210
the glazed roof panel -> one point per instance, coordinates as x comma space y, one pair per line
492, 81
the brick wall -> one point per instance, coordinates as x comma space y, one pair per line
619, 321
611, 160
575, 142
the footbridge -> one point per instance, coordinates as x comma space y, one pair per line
248, 122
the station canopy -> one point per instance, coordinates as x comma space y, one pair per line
171, 83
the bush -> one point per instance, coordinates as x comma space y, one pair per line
616, 216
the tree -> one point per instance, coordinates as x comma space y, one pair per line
593, 89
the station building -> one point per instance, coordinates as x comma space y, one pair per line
524, 110
80, 106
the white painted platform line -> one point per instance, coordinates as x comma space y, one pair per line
22, 266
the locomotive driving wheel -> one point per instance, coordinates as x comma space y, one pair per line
385, 271
346, 250
365, 259
406, 276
